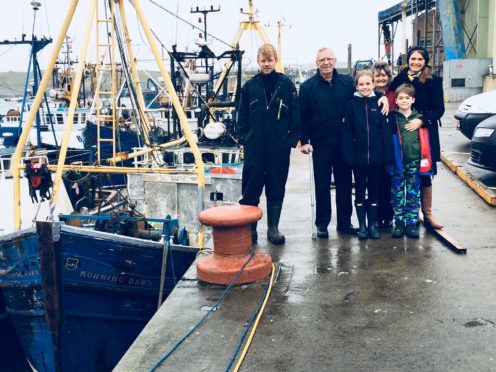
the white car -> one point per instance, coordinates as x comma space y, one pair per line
474, 110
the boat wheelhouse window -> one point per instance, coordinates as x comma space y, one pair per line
188, 114
83, 117
208, 157
60, 119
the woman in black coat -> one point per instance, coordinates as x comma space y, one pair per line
429, 101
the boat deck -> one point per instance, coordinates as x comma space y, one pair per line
343, 304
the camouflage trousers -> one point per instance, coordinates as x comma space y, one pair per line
405, 194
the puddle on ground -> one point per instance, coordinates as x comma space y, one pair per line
479, 323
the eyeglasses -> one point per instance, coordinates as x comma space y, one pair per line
326, 59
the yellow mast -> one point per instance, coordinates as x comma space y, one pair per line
250, 24
34, 109
279, 66
72, 107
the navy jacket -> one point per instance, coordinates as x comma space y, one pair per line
322, 105
429, 101
264, 120
366, 133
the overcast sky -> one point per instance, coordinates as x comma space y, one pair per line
309, 25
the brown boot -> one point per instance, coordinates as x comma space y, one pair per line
426, 201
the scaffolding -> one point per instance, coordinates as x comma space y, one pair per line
427, 31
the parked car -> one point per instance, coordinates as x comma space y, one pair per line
474, 110
363, 64
483, 148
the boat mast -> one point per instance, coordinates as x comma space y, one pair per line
36, 46
34, 109
250, 24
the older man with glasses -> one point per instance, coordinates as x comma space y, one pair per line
322, 101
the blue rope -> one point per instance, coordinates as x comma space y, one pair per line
250, 323
202, 320
174, 280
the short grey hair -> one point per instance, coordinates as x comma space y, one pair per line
382, 66
323, 49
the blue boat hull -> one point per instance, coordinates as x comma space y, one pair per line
79, 298
11, 354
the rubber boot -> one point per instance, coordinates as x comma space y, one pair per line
254, 234
273, 214
372, 218
426, 201
362, 232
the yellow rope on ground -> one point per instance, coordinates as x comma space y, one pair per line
255, 325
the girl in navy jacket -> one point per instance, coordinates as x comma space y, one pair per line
367, 147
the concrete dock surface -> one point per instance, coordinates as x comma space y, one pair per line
347, 305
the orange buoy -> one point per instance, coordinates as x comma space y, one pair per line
232, 246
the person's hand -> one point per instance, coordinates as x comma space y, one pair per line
306, 149
383, 101
413, 125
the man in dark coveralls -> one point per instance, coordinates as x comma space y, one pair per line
268, 126
322, 101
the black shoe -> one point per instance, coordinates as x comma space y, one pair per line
347, 229
384, 224
322, 232
412, 231
399, 230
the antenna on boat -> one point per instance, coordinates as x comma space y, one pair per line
37, 44
205, 12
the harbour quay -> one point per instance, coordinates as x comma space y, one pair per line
341, 304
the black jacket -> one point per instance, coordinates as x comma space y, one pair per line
366, 133
429, 101
263, 120
322, 105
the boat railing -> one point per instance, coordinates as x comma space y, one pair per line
11, 118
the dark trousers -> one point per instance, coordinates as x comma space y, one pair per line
327, 161
385, 211
265, 166
367, 178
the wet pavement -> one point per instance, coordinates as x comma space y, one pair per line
347, 305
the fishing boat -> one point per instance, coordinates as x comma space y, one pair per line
52, 113
80, 308
80, 289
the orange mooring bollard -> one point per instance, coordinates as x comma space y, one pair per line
232, 244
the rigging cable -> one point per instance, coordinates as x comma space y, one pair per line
189, 23
126, 71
